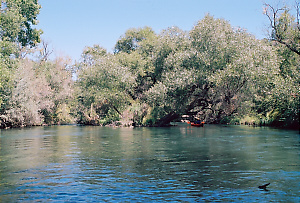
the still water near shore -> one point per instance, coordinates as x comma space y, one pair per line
181, 163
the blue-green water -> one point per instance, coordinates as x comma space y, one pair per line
175, 164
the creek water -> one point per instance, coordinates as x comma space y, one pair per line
174, 164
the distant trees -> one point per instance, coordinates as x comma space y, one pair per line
215, 72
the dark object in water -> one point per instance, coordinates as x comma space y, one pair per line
264, 187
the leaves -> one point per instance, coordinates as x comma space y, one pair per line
17, 20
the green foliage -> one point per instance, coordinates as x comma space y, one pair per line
132, 39
104, 87
5, 84
140, 68
281, 106
209, 73
17, 19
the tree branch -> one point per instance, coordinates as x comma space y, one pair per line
272, 14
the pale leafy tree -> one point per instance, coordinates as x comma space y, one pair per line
30, 97
41, 93
58, 75
32, 93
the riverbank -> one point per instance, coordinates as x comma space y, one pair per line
118, 124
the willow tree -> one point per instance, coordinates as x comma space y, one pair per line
169, 94
104, 87
210, 73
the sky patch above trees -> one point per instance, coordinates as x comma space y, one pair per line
72, 25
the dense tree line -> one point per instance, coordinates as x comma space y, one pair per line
215, 72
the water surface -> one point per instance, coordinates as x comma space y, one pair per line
176, 164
